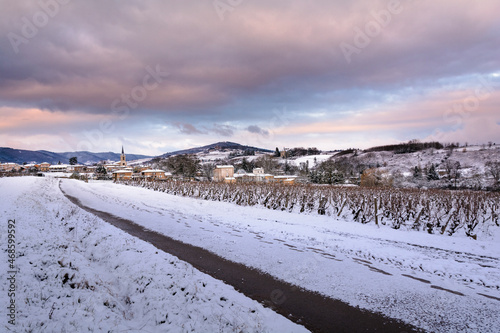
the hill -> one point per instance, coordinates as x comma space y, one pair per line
21, 156
219, 146
405, 166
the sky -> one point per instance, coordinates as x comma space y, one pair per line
158, 76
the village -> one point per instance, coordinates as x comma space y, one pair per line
406, 165
122, 171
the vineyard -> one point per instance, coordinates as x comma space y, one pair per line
432, 211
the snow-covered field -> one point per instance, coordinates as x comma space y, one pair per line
437, 283
76, 273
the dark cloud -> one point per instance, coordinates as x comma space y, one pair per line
188, 129
223, 130
92, 51
217, 129
257, 130
261, 56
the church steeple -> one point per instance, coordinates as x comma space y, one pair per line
123, 160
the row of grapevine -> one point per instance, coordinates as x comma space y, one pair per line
440, 211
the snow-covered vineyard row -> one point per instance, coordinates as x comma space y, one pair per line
432, 211
437, 283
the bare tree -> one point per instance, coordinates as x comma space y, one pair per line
268, 163
183, 165
453, 170
494, 170
207, 170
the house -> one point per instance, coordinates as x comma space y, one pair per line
257, 176
260, 176
80, 168
221, 172
76, 168
7, 167
58, 168
44, 167
243, 177
122, 175
112, 167
140, 168
89, 169
229, 180
155, 174
225, 173
289, 180
258, 171
30, 167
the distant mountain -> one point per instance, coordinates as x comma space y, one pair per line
219, 146
88, 157
21, 156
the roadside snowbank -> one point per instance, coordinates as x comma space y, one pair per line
77, 273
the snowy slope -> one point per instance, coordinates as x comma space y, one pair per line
437, 283
472, 165
311, 159
78, 274
472, 159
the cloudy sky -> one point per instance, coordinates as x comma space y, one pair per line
158, 76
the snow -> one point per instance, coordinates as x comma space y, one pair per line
115, 288
138, 162
76, 273
57, 174
472, 162
312, 159
123, 171
212, 156
382, 270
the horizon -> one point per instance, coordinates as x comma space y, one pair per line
461, 144
93, 76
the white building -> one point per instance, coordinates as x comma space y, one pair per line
59, 168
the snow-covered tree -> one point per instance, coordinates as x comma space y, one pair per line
432, 173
